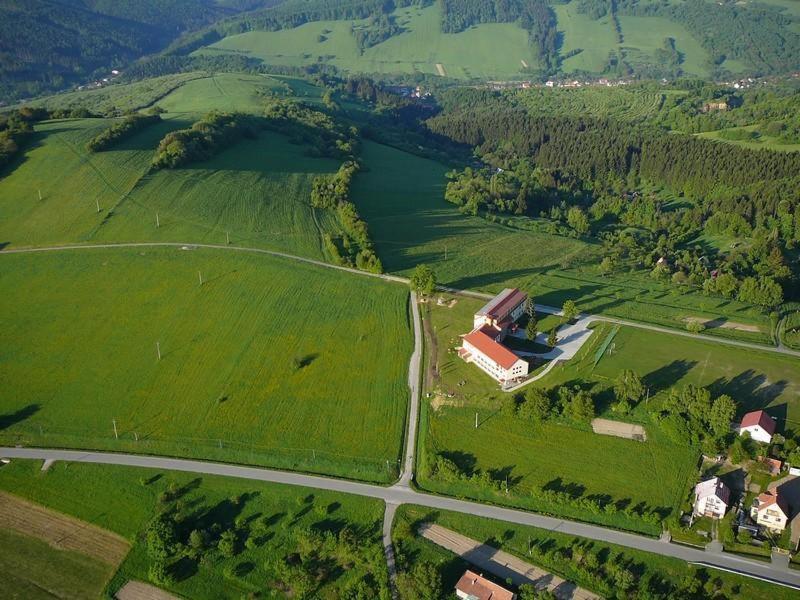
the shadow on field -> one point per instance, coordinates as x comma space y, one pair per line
11, 419
754, 391
665, 377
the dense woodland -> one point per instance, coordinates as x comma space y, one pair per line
590, 177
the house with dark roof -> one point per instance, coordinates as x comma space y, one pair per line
472, 586
759, 425
711, 498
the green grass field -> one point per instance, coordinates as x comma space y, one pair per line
257, 193
79, 351
656, 472
124, 499
559, 554
411, 223
642, 36
596, 39
762, 141
632, 103
36, 570
495, 50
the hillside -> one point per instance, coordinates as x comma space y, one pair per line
47, 45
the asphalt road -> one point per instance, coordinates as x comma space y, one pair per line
397, 495
539, 307
414, 369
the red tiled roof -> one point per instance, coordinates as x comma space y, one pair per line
759, 417
482, 589
767, 499
496, 352
501, 305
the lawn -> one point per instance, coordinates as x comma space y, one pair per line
241, 377
493, 50
595, 38
411, 223
223, 91
562, 555
36, 570
255, 194
272, 517
761, 141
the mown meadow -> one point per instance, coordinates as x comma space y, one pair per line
267, 362
270, 524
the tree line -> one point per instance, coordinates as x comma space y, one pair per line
126, 128
204, 139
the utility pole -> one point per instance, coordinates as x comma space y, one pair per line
200, 275
116, 435
158, 350
445, 251
228, 238
97, 203
476, 420
158, 223
40, 194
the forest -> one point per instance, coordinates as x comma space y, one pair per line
595, 177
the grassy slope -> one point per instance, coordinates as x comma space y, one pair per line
222, 91
228, 348
124, 499
516, 539
764, 141
642, 36
258, 191
596, 38
401, 196
36, 570
490, 50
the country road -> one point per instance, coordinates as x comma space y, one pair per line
397, 495
397, 279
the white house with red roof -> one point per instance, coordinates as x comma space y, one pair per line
472, 586
483, 345
711, 498
759, 425
770, 510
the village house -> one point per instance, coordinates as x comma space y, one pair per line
771, 511
711, 498
759, 425
483, 345
472, 586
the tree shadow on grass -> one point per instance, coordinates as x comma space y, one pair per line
753, 390
667, 376
465, 461
10, 419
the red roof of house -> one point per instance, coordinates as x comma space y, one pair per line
759, 417
769, 498
482, 589
502, 304
498, 353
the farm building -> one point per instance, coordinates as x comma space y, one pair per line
483, 345
759, 425
711, 498
502, 311
472, 586
770, 510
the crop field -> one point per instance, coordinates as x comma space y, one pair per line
256, 193
36, 571
493, 50
645, 35
124, 499
240, 378
547, 549
411, 223
596, 39
623, 103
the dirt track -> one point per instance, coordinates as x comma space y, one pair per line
136, 590
61, 531
618, 429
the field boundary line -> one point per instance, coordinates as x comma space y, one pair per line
551, 310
